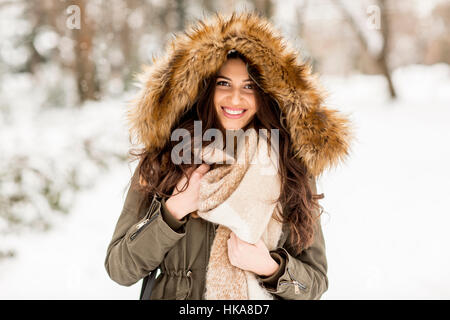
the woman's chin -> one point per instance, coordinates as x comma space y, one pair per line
233, 128
234, 125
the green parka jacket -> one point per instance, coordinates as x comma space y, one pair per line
147, 236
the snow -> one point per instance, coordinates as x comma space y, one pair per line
386, 227
68, 262
65, 262
386, 209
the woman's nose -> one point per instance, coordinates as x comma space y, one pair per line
236, 97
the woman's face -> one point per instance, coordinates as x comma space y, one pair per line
234, 95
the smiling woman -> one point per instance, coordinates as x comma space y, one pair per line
227, 231
235, 95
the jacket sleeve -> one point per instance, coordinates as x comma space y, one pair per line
144, 233
302, 276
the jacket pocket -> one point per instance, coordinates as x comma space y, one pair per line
152, 213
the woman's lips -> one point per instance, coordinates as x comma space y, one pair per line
233, 116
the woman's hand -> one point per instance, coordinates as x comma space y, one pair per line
251, 257
182, 203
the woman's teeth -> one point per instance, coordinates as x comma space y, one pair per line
230, 111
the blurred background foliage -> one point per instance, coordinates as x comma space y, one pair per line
58, 56
116, 37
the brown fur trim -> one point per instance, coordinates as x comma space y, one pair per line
170, 86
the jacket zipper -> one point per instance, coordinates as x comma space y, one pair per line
141, 226
297, 285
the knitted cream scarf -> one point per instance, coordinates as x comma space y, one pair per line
240, 197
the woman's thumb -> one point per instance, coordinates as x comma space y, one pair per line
203, 168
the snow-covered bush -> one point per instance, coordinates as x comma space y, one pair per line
48, 154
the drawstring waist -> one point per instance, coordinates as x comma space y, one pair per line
177, 273
186, 274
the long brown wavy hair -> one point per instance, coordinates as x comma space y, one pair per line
157, 174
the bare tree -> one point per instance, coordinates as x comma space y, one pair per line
208, 5
380, 58
180, 8
84, 65
34, 13
264, 6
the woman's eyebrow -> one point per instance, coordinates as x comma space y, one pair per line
221, 76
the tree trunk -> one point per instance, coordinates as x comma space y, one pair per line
265, 7
209, 5
84, 65
180, 9
381, 58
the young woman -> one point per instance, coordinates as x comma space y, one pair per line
229, 73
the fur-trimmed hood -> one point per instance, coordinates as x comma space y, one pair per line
320, 136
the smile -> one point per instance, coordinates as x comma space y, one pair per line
233, 113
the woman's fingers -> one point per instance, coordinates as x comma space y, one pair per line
231, 249
231, 241
199, 172
234, 242
237, 241
189, 170
202, 169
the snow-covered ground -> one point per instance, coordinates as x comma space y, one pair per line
386, 221
387, 225
68, 261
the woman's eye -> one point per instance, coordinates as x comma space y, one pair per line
227, 84
222, 83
